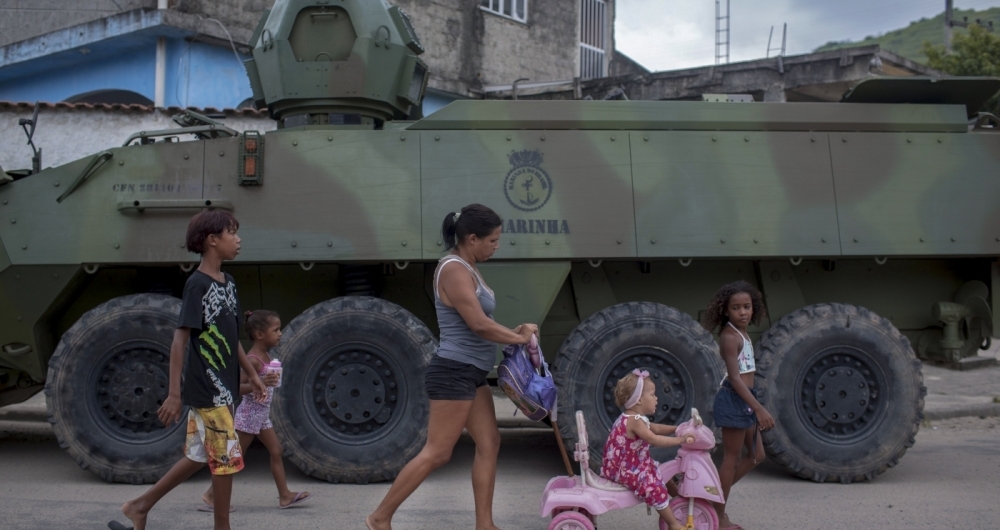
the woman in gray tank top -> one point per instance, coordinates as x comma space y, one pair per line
460, 397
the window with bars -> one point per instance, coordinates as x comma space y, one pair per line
593, 27
515, 9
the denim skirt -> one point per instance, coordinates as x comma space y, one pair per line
730, 409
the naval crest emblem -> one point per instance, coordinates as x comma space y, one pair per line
527, 186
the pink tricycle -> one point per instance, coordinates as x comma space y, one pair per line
574, 502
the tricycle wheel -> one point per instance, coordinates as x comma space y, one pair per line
705, 517
571, 521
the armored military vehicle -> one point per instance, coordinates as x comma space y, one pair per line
870, 225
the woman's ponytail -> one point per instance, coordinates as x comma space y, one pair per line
449, 231
473, 219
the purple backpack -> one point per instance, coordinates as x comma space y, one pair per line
534, 393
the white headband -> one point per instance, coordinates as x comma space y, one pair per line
637, 393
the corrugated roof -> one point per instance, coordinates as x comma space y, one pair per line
127, 108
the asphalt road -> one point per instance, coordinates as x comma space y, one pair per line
948, 480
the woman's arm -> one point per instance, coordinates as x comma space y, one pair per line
730, 346
639, 428
459, 288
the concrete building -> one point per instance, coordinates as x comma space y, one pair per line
188, 53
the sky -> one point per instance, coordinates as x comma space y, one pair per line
673, 34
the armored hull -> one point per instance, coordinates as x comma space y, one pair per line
870, 228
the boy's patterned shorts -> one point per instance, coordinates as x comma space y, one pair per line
211, 438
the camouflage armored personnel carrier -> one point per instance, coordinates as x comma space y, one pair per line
871, 226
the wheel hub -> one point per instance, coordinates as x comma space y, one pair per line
354, 390
131, 386
669, 375
839, 394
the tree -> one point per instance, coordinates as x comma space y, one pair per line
975, 53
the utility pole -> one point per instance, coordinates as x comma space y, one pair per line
784, 36
950, 22
721, 33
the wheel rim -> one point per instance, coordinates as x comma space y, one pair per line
673, 383
703, 514
839, 393
355, 390
129, 385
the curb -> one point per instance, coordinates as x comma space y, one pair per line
15, 413
959, 411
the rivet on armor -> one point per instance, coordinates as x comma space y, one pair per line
117, 245
295, 243
511, 241
403, 243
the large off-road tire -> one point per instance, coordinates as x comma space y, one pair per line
681, 357
845, 390
352, 405
106, 379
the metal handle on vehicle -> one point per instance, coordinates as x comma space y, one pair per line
174, 204
15, 350
95, 163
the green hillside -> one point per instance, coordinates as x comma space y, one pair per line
909, 41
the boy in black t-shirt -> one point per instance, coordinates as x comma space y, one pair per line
209, 322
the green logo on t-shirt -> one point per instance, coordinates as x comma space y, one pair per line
212, 337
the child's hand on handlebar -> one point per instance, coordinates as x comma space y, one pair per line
688, 439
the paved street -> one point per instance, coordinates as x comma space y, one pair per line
948, 480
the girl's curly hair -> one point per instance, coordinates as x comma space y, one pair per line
715, 316
624, 389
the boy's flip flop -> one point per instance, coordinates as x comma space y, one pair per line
300, 497
115, 525
211, 509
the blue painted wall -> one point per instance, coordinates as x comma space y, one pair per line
198, 75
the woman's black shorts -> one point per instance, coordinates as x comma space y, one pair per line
453, 381
730, 409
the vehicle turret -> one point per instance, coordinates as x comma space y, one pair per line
317, 62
